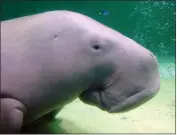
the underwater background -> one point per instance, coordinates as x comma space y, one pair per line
150, 23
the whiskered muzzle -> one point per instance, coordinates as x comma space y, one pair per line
135, 100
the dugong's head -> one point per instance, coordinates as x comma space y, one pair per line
125, 73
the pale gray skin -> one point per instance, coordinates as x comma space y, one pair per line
50, 59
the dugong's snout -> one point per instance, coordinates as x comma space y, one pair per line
135, 100
114, 100
136, 92
131, 88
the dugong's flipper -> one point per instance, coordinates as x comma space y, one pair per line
11, 115
38, 125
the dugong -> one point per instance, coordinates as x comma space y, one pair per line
49, 59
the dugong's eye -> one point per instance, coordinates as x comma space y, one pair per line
96, 47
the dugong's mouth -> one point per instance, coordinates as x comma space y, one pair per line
132, 102
114, 104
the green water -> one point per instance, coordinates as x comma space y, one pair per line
150, 23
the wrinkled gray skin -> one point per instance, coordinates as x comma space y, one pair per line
50, 59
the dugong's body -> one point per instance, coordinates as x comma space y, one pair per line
50, 59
